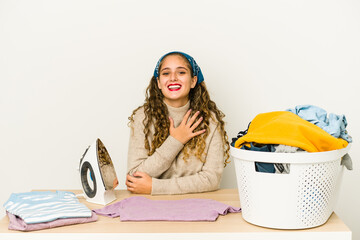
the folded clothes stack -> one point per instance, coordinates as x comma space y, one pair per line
305, 128
38, 210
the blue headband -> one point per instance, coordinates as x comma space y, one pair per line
196, 69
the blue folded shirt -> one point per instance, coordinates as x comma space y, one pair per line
38, 207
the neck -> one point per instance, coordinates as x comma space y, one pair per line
176, 104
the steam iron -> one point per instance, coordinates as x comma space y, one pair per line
97, 174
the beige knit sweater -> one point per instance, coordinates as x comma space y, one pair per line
170, 173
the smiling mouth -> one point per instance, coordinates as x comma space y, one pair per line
174, 87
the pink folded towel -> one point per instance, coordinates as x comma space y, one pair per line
17, 223
144, 209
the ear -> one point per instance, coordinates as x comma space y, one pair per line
158, 82
193, 82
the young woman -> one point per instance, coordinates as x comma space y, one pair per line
178, 143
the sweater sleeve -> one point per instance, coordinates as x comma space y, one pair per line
159, 161
208, 179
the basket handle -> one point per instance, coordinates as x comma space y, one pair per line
347, 162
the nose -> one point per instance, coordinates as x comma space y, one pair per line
173, 76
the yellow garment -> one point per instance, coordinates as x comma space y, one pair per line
287, 128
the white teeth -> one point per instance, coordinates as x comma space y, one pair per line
174, 87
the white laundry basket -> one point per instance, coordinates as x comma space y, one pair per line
304, 198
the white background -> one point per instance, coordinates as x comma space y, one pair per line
73, 71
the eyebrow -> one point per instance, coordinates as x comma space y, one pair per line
176, 68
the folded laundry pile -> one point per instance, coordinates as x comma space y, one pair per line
143, 209
40, 210
305, 128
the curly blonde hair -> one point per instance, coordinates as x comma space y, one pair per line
156, 113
